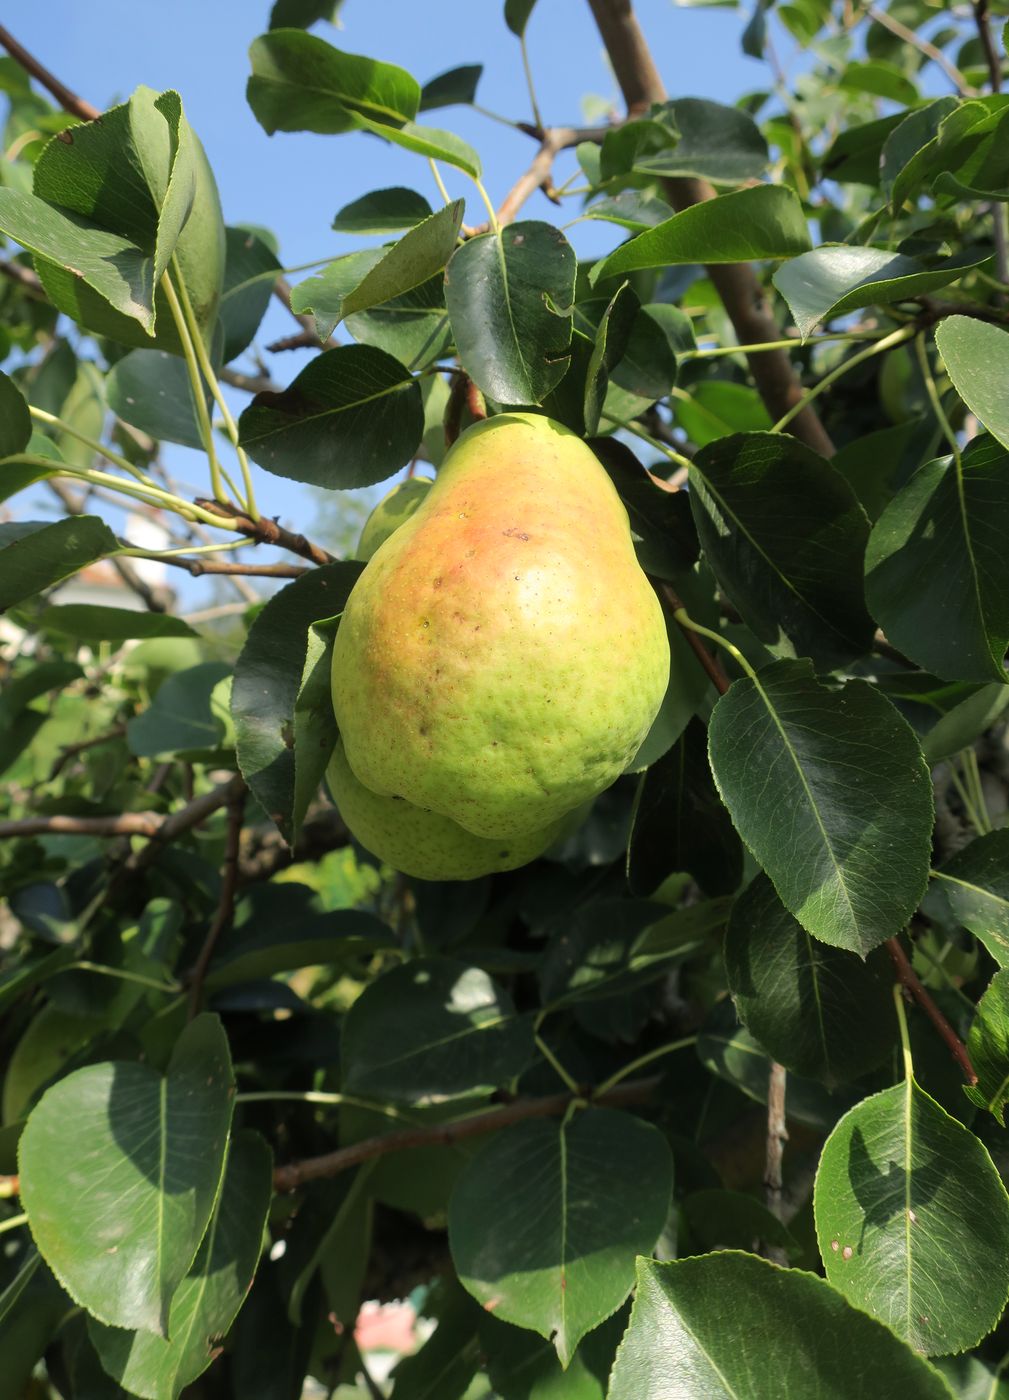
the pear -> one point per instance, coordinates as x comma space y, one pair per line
502, 655
390, 513
424, 844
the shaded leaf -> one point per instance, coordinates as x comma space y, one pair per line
937, 574
383, 211
719, 1219
819, 1011
976, 356
549, 1259
975, 886
964, 723
350, 418
433, 1029
920, 1246
151, 390
456, 86
182, 715
35, 554
250, 272
785, 536
120, 1169
716, 142
988, 1047
612, 336
15, 420
92, 622
499, 290
301, 83
830, 792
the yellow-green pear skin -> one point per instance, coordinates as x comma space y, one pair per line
424, 844
392, 511
502, 655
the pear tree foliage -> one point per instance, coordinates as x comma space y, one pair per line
575, 906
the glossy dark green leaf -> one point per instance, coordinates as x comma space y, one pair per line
120, 1169
829, 790
15, 420
661, 523
301, 83
785, 537
522, 1365
631, 209
923, 1248
150, 389
937, 573
837, 278
383, 211
503, 291
268, 678
350, 418
516, 14
558, 1258
647, 370
975, 886
908, 149
454, 87
209, 1297
988, 1047
251, 269
611, 340
964, 723
421, 253
786, 1333
716, 142
976, 356
817, 1010
853, 156
92, 622
765, 221
35, 554
413, 328
433, 1029
680, 824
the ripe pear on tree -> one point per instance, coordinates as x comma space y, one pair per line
502, 655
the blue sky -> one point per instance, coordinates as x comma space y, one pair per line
294, 183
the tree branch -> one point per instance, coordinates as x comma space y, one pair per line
294, 1174
250, 383
777, 1136
539, 174
68, 100
735, 283
24, 277
909, 979
712, 665
266, 532
225, 911
198, 567
158, 827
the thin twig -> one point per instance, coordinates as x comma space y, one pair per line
294, 1174
225, 911
72, 750
266, 531
300, 340
539, 176
250, 383
68, 100
923, 46
199, 567
158, 827
24, 277
909, 979
777, 1136
711, 664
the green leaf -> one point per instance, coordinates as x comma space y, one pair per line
937, 573
834, 279
611, 340
988, 1047
15, 420
975, 886
908, 149
120, 1169
301, 83
500, 289
182, 715
976, 356
302, 14
151, 390
455, 87
717, 143
923, 1248
880, 79
34, 555
91, 622
15, 475
817, 1010
267, 939
831, 794
413, 328
524, 1366
431, 1030
719, 1219
964, 723
315, 731
717, 408
350, 418
383, 211
679, 823
516, 14
268, 678
785, 537
418, 256
430, 142
786, 1333
446, 1363
558, 1257
854, 155
631, 209
765, 221
208, 1299
250, 272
